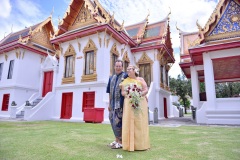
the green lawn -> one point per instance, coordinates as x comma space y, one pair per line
48, 140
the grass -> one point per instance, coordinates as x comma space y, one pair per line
48, 140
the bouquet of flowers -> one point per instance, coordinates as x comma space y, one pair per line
134, 94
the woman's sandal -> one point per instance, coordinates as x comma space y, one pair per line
117, 146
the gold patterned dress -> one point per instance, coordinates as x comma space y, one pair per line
135, 129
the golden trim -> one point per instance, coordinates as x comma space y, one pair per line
89, 78
116, 53
68, 80
16, 53
6, 57
90, 47
122, 50
69, 52
125, 59
222, 36
114, 50
215, 15
23, 53
109, 39
99, 39
166, 87
161, 85
145, 59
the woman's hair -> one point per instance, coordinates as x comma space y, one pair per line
136, 69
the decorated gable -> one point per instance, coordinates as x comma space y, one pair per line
224, 23
83, 18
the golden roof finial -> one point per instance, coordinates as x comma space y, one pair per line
52, 12
20, 38
177, 28
122, 26
112, 18
169, 13
148, 14
199, 26
30, 30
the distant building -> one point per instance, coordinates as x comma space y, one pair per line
61, 74
212, 55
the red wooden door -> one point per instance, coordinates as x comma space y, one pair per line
88, 100
47, 82
165, 107
5, 102
66, 110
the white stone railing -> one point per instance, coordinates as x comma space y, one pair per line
16, 110
151, 100
42, 111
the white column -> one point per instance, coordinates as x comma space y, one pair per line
156, 77
41, 82
209, 81
195, 86
55, 70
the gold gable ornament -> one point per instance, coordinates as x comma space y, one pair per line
114, 50
145, 59
125, 57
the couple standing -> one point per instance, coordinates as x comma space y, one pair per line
128, 109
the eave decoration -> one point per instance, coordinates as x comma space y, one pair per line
101, 15
145, 59
224, 22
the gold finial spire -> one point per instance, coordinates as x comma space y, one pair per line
177, 28
52, 12
148, 14
199, 26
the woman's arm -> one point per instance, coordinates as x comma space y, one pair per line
144, 86
122, 89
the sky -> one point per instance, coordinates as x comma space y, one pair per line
15, 15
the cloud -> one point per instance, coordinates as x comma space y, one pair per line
5, 8
28, 8
24, 13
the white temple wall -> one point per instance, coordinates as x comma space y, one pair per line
25, 77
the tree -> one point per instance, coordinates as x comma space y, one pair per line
182, 88
227, 89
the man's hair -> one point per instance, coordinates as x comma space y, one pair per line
119, 61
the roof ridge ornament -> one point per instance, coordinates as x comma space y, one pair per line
168, 16
200, 32
52, 12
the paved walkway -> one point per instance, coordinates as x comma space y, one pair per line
175, 122
169, 122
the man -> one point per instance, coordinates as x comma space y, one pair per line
116, 103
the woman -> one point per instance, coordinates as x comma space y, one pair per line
135, 130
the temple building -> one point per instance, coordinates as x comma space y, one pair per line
63, 74
212, 55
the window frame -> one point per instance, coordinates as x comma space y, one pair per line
10, 69
1, 70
